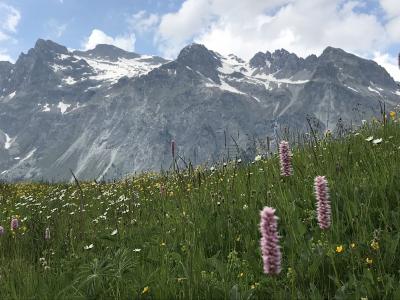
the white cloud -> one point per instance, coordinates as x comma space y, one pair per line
304, 26
126, 42
9, 17
55, 29
389, 63
177, 28
60, 29
9, 20
143, 22
391, 7
301, 26
4, 56
393, 28
3, 36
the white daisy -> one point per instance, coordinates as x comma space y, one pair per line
377, 141
370, 138
88, 247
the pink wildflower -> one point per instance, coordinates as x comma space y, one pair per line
285, 157
14, 224
270, 249
323, 204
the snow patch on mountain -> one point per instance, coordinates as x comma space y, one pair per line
112, 71
77, 106
373, 90
225, 87
232, 64
29, 155
8, 142
45, 108
270, 77
57, 68
353, 89
69, 80
63, 106
12, 95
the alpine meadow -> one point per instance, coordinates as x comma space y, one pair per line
194, 233
200, 149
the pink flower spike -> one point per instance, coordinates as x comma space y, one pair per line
269, 243
321, 191
14, 224
285, 157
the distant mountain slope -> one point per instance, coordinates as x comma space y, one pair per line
107, 112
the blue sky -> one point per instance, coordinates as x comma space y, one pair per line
70, 22
369, 28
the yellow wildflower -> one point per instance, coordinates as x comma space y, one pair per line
255, 285
375, 245
392, 114
369, 260
145, 290
352, 245
339, 249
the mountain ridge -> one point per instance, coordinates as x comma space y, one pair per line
107, 112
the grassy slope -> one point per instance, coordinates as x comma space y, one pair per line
201, 240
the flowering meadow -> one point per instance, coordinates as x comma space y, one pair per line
324, 226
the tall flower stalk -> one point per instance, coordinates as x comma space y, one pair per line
47, 234
173, 145
173, 149
285, 157
14, 224
321, 191
269, 243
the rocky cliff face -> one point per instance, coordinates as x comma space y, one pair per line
106, 112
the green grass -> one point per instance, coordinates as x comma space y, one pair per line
201, 239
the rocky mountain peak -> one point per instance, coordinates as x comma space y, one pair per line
258, 60
353, 67
109, 52
199, 58
281, 53
45, 46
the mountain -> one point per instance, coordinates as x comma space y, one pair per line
106, 112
